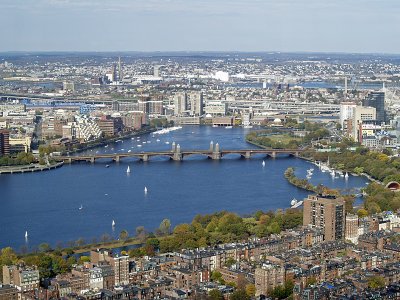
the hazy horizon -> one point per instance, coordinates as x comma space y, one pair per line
288, 26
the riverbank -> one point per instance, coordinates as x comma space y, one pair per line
104, 142
29, 168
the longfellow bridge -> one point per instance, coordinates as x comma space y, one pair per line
214, 152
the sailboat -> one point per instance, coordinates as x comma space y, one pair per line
128, 170
81, 207
263, 163
113, 223
145, 190
346, 175
26, 234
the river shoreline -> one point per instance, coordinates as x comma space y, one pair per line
29, 168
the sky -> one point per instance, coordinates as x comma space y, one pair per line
356, 26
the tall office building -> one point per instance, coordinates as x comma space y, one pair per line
377, 100
119, 70
346, 113
360, 115
195, 100
326, 213
180, 103
352, 228
4, 142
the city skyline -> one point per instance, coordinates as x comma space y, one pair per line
363, 26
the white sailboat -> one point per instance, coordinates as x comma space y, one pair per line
113, 223
128, 170
26, 234
81, 207
346, 175
145, 190
333, 173
263, 163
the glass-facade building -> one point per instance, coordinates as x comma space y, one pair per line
377, 100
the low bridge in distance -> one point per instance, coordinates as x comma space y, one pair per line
214, 152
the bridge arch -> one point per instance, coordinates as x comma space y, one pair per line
196, 155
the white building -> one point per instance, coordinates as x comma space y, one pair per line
346, 112
360, 114
216, 108
222, 76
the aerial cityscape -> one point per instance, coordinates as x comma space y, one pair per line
213, 150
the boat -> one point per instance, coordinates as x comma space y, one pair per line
215, 126
299, 203
333, 173
81, 207
128, 170
228, 127
129, 151
113, 223
248, 126
263, 163
346, 175
157, 140
293, 202
167, 143
139, 145
107, 166
145, 190
26, 234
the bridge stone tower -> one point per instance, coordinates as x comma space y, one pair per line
173, 147
216, 154
211, 146
177, 153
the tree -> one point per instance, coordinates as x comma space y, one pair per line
229, 262
44, 247
216, 294
165, 227
362, 213
83, 259
7, 256
250, 290
217, 277
140, 233
123, 235
376, 282
239, 295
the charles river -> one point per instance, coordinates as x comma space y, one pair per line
81, 200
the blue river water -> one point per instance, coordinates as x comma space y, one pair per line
46, 204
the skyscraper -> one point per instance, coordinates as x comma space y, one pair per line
377, 100
327, 213
180, 103
4, 142
196, 103
346, 112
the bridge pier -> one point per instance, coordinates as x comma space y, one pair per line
247, 155
92, 160
69, 161
273, 154
116, 158
145, 157
216, 155
177, 156
296, 154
